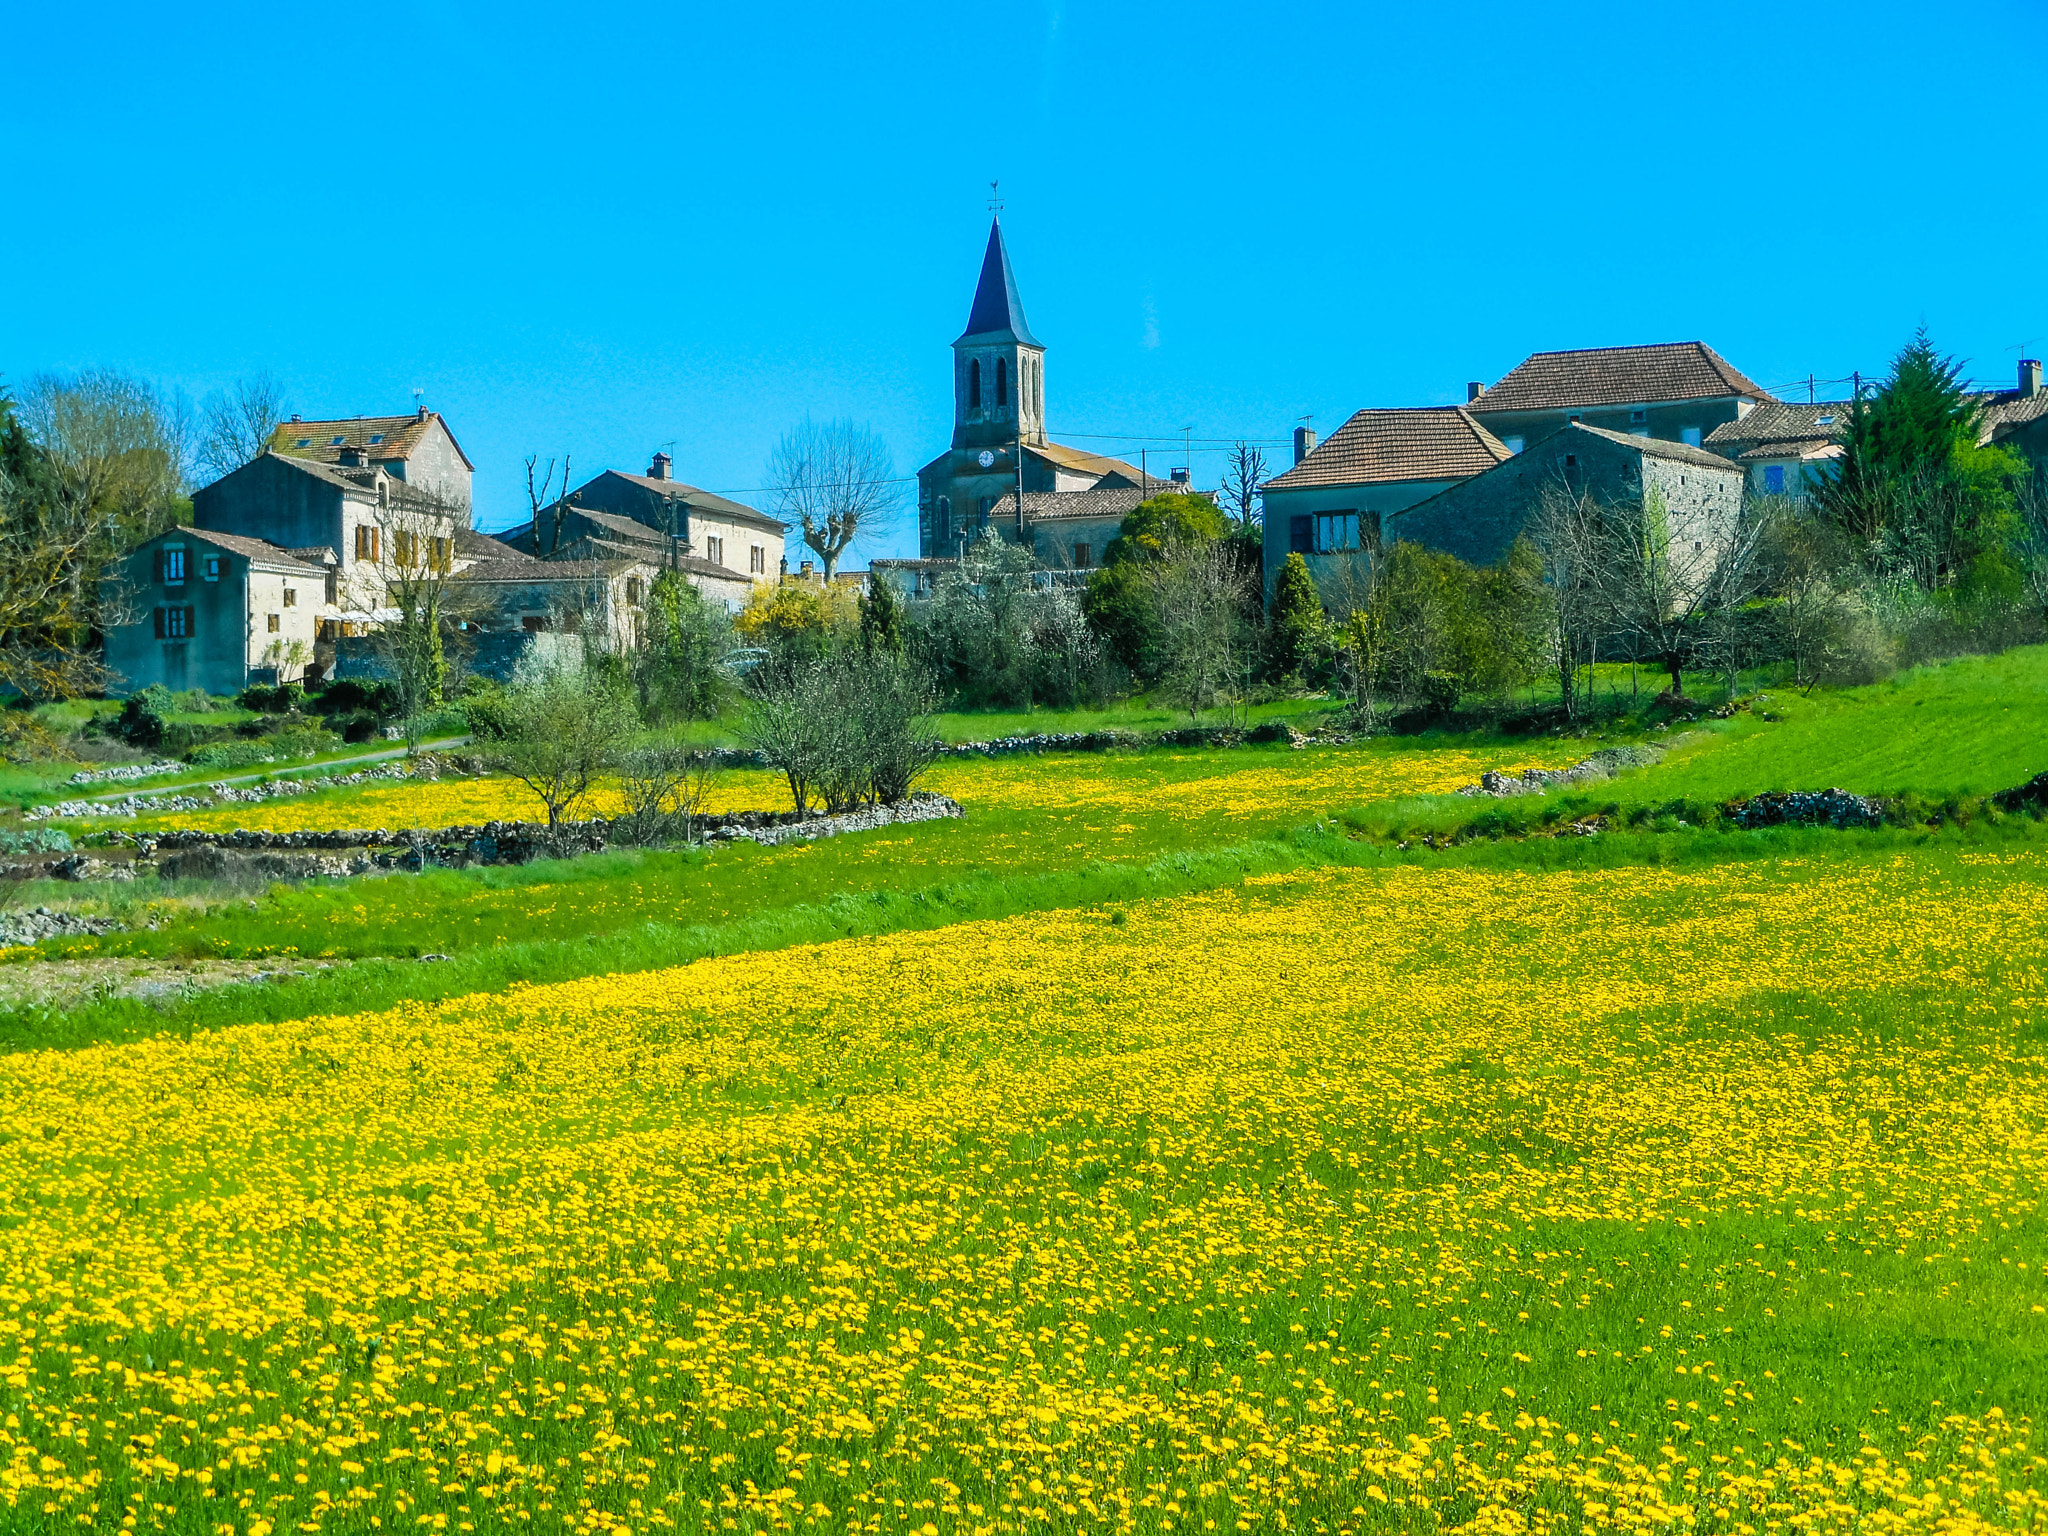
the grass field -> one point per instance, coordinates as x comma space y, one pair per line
1348, 1201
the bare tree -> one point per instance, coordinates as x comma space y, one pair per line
90, 466
1244, 478
538, 483
1672, 590
425, 598
834, 480
236, 424
558, 729
1200, 592
1570, 536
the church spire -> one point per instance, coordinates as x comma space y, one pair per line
998, 314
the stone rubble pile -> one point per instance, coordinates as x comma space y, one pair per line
125, 772
1807, 808
1604, 764
33, 927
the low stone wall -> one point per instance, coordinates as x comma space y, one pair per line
1534, 781
1807, 808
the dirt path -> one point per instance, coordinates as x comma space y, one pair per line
68, 984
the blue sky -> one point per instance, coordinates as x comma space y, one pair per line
611, 228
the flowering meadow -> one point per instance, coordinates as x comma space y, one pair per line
1401, 1199
1236, 785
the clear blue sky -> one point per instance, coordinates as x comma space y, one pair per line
606, 228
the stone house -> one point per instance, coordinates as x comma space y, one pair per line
418, 450
2018, 418
212, 610
1783, 448
724, 546
1335, 503
1677, 391
1478, 519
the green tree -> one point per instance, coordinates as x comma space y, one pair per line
678, 668
1121, 603
1153, 524
1295, 625
881, 617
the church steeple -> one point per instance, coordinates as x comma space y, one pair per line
998, 314
998, 365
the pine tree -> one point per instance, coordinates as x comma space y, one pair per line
881, 617
1295, 623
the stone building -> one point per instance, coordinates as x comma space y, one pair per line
211, 610
1002, 471
418, 450
723, 546
1677, 391
1478, 519
1783, 448
1336, 500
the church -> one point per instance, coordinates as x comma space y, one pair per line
1002, 471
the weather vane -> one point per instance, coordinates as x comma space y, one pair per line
995, 200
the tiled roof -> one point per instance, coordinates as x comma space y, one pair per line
1436, 442
248, 549
1655, 447
2006, 409
1597, 376
1086, 463
527, 569
381, 437
482, 546
1779, 421
316, 554
1794, 448
362, 481
1049, 506
945, 564
701, 500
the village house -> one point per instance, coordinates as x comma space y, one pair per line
1783, 448
1337, 499
211, 610
1479, 519
1677, 391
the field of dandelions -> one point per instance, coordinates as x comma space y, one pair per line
1342, 1201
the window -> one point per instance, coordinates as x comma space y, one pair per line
757, 559
1002, 382
1335, 532
1301, 535
1571, 461
304, 442
442, 552
1081, 557
174, 563
1824, 421
174, 623
210, 567
633, 590
1573, 420
1512, 444
1635, 419
1774, 479
336, 442
1690, 436
942, 525
1369, 530
333, 589
273, 622
367, 542
376, 437
714, 550
974, 384
291, 597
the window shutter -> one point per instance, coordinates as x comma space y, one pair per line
159, 612
1301, 535
157, 573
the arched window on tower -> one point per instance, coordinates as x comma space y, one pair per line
974, 384
942, 525
1002, 383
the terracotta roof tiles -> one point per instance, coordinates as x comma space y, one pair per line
1599, 376
1433, 442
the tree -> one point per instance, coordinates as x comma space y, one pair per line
679, 666
1295, 624
1121, 601
1199, 593
90, 466
797, 620
881, 616
427, 601
559, 728
835, 480
1244, 479
539, 482
236, 424
1568, 533
1173, 517
1670, 593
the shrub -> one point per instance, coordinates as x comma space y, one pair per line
664, 789
352, 696
146, 716
36, 840
25, 739
282, 699
229, 754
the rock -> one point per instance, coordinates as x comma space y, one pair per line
1604, 764
80, 867
18, 928
1806, 808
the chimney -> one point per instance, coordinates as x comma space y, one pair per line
2030, 376
804, 570
354, 456
659, 469
1178, 476
1473, 391
425, 413
295, 415
1304, 443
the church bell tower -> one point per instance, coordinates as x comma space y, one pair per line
998, 365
